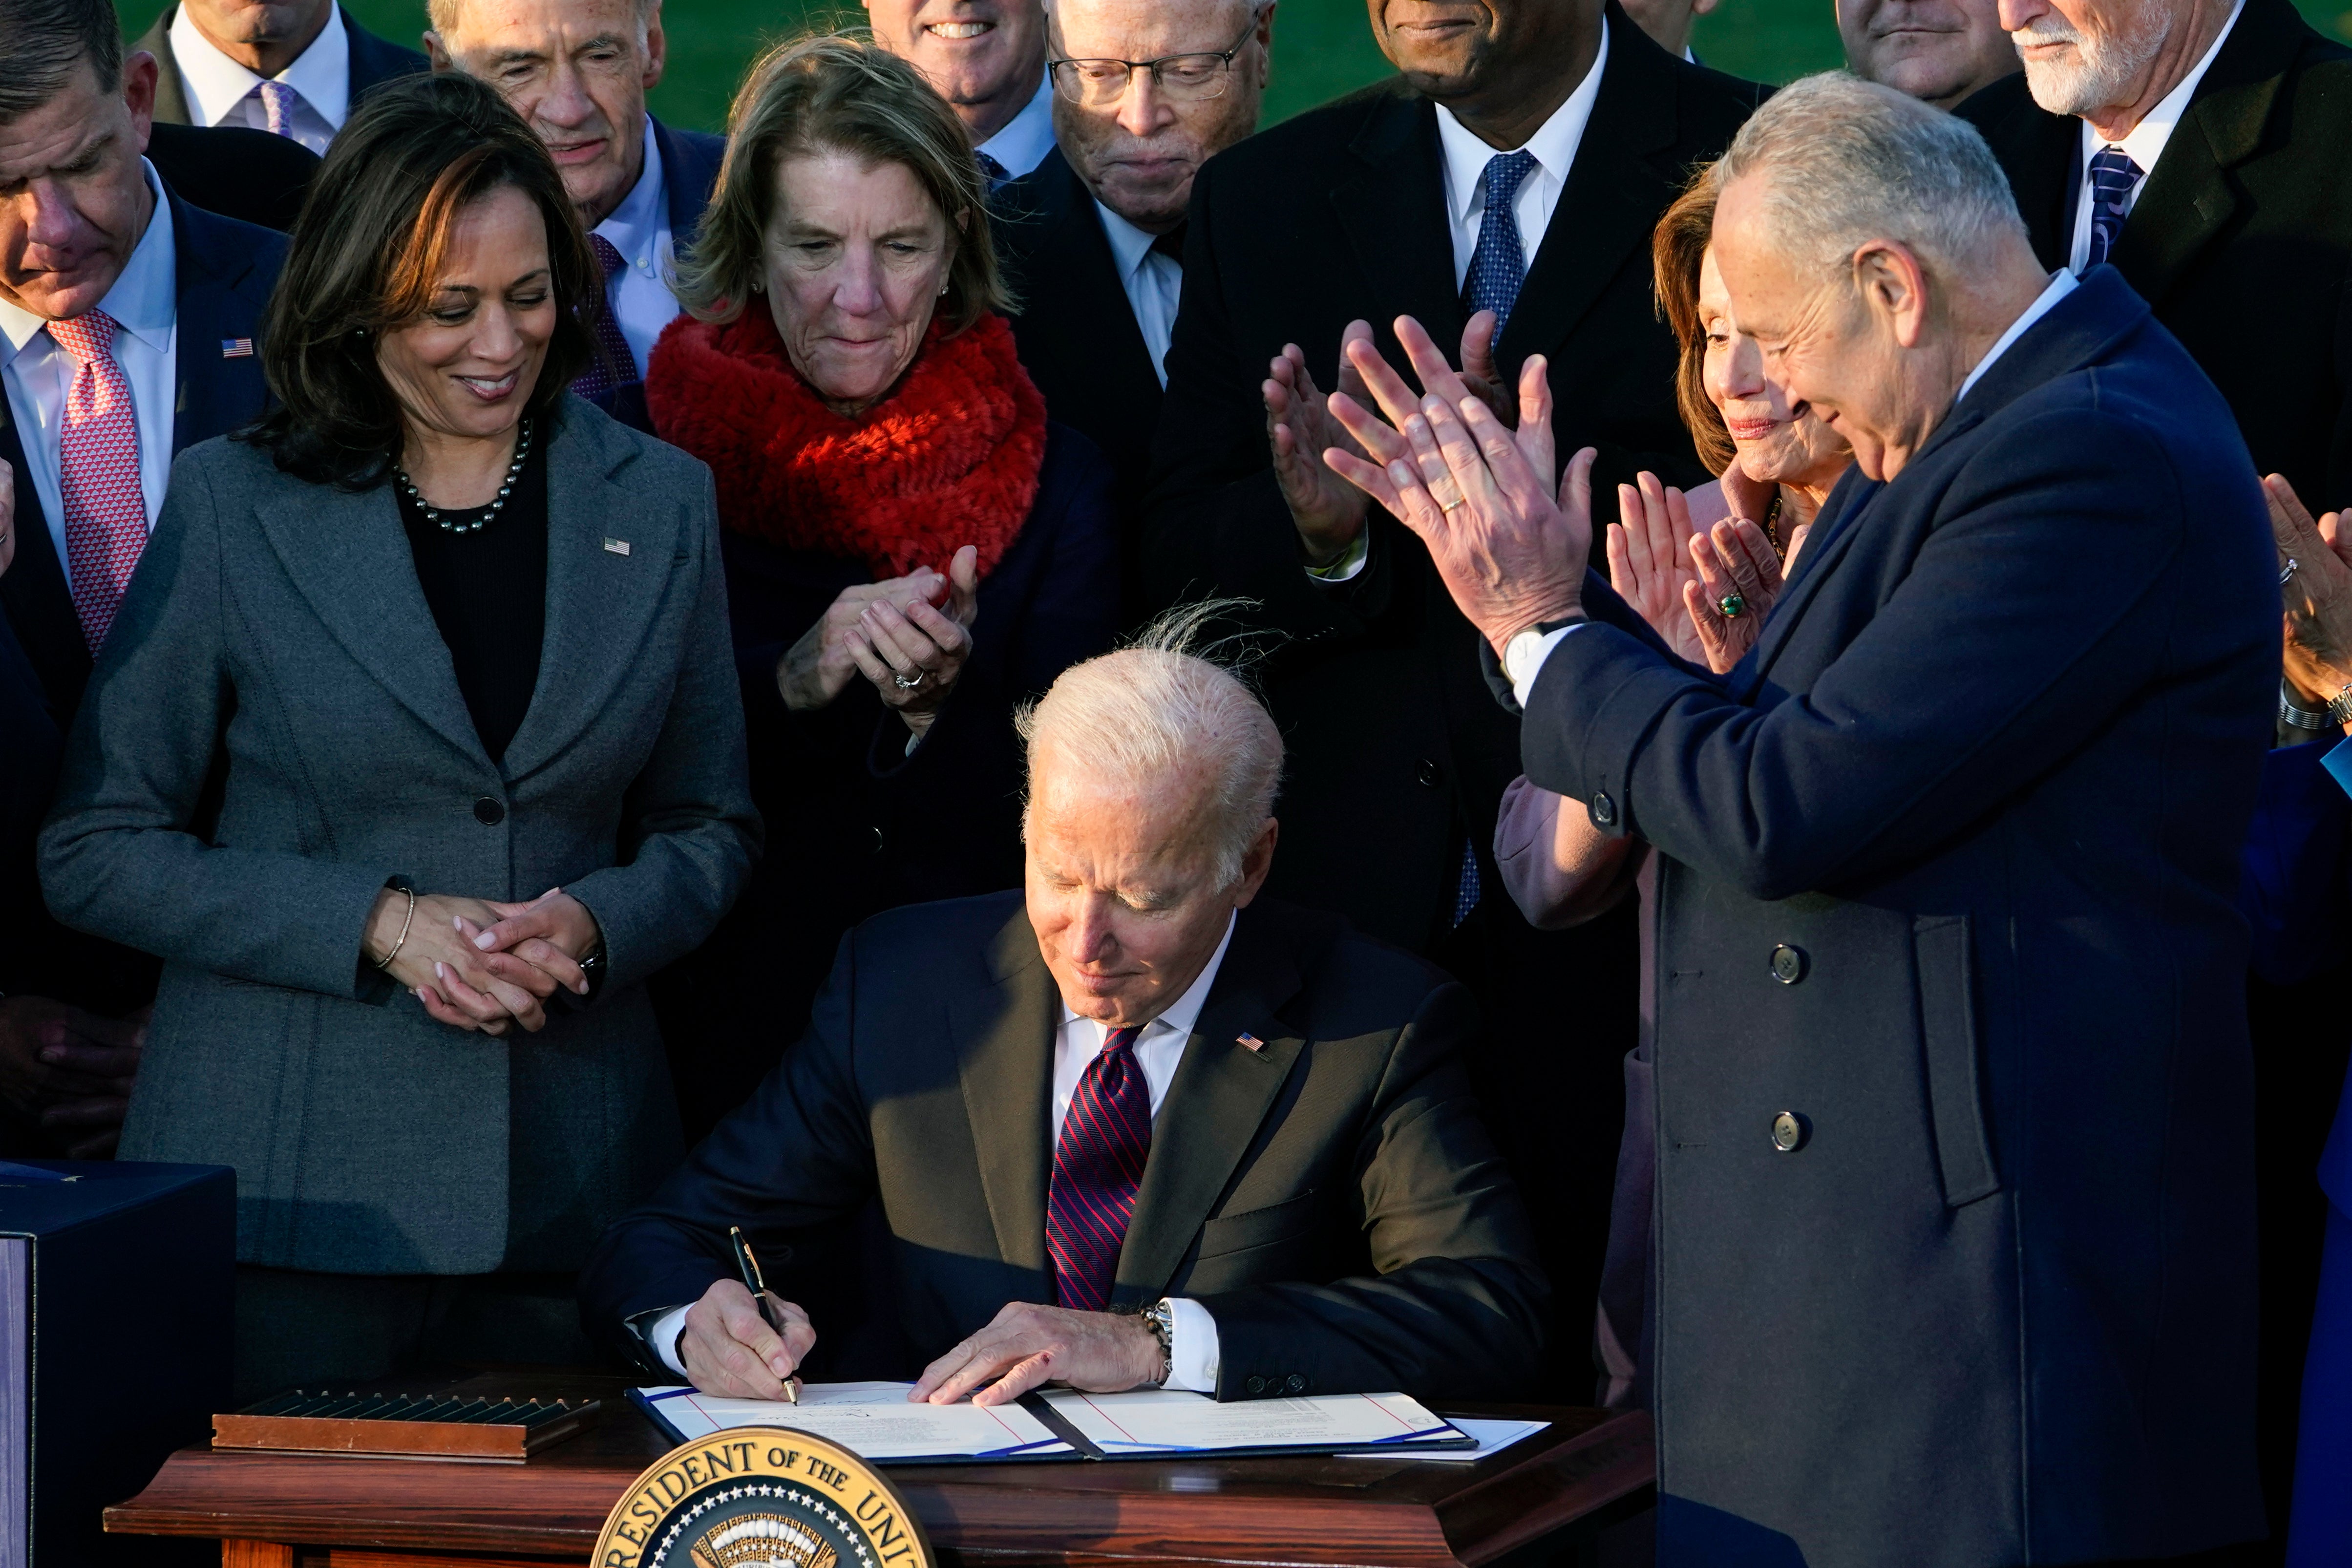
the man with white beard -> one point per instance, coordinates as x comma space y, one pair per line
2204, 149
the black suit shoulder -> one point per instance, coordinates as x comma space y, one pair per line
249, 175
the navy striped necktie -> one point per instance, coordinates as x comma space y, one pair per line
2113, 178
1098, 1167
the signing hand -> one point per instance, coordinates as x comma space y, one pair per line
914, 654
728, 1350
1480, 496
1327, 513
2318, 594
1028, 1345
1650, 561
820, 666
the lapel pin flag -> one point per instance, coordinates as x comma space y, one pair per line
236, 348
618, 546
1249, 1042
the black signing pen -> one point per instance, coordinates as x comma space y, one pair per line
748, 1267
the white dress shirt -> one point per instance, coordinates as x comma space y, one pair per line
1192, 1358
221, 92
1554, 145
37, 373
2144, 145
1524, 661
639, 230
1153, 282
1028, 136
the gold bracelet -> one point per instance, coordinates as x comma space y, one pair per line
405, 923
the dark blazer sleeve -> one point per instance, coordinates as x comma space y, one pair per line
1457, 1304
120, 858
692, 829
2296, 889
798, 1151
28, 770
1890, 753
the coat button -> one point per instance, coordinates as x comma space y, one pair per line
1789, 1131
1787, 965
1430, 774
488, 811
1256, 1385
1295, 1383
1604, 810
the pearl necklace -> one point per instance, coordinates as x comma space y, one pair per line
433, 514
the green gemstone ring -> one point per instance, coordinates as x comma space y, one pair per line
1732, 606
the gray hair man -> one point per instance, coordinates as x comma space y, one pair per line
1145, 91
291, 68
578, 72
1942, 51
1200, 1139
1954, 1185
987, 59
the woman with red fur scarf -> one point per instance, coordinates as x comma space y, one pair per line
911, 548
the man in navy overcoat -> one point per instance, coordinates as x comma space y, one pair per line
1955, 1209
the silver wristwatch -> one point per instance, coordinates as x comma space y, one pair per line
2295, 716
1160, 1319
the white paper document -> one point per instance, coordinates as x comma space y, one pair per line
1171, 1421
1492, 1437
873, 1420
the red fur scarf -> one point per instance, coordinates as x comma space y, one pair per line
950, 459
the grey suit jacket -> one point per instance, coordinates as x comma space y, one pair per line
1319, 1176
275, 730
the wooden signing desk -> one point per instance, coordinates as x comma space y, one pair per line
273, 1510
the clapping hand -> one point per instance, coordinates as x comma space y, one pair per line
1478, 494
2316, 582
1650, 562
914, 652
820, 666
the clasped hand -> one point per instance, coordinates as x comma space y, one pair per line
728, 1349
910, 636
475, 963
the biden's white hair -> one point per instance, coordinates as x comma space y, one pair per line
1843, 162
1168, 709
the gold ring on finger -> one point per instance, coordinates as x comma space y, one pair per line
1449, 489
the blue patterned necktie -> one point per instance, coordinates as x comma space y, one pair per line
1499, 264
994, 173
1098, 1166
277, 101
614, 366
2113, 178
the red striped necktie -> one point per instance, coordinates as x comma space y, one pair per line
1098, 1166
99, 476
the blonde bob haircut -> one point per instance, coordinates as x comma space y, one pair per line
838, 94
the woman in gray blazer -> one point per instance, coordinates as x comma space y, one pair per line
415, 748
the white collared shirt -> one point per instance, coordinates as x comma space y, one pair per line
1522, 663
37, 373
1154, 283
638, 229
1028, 136
1554, 145
1193, 1354
221, 92
2144, 143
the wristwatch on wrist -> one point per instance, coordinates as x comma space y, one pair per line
2339, 707
1159, 1317
2295, 716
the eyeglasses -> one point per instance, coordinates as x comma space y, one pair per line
1185, 79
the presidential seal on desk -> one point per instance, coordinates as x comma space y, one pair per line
761, 1497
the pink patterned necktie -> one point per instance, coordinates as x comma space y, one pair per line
98, 459
277, 102
614, 366
1098, 1167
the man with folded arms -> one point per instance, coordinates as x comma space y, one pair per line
1955, 1187
1130, 1127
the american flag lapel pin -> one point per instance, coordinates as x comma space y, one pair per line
236, 348
618, 546
1249, 1042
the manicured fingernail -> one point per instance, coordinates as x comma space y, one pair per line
484, 941
440, 969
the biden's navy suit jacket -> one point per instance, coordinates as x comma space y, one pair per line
1948, 874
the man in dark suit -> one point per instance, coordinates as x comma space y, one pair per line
578, 72
128, 320
1362, 211
1093, 239
289, 67
1132, 1128
1955, 1176
2217, 181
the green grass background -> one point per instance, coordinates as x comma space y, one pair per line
1321, 48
